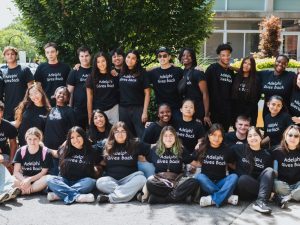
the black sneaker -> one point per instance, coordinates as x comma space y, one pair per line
102, 199
261, 206
281, 201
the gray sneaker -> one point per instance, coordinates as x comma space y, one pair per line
261, 206
4, 197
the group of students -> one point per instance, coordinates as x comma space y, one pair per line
112, 104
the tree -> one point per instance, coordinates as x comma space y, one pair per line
141, 24
16, 35
270, 29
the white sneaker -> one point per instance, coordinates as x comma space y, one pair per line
206, 201
233, 199
51, 196
85, 198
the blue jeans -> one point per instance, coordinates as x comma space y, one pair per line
219, 190
68, 190
147, 168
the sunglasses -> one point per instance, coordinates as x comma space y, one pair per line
162, 56
294, 135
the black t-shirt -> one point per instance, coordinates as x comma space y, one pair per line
121, 164
295, 103
105, 91
275, 126
77, 78
214, 162
52, 76
219, 83
277, 85
288, 165
232, 139
165, 82
32, 164
78, 166
132, 89
168, 161
189, 132
7, 131
33, 116
15, 85
151, 133
1, 86
250, 162
192, 85
59, 121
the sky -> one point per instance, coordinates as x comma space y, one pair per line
8, 11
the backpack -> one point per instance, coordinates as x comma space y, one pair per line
44, 152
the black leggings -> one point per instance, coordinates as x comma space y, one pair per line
250, 188
184, 189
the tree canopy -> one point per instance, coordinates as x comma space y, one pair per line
16, 35
103, 25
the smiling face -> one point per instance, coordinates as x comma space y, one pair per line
85, 59
61, 96
247, 66
76, 140
120, 135
164, 114
168, 139
186, 59
215, 139
131, 60
242, 126
102, 64
163, 58
275, 106
35, 96
224, 57
117, 60
99, 120
292, 138
280, 64
253, 139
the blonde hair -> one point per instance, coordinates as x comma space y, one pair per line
36, 132
8, 48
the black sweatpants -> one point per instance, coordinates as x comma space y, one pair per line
184, 189
250, 188
132, 117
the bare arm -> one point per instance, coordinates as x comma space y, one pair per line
71, 90
89, 93
203, 88
13, 148
146, 104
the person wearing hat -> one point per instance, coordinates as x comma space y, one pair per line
15, 77
165, 80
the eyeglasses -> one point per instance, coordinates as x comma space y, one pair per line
120, 132
294, 135
162, 56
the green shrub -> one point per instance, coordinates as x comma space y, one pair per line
267, 63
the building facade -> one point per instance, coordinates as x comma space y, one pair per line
237, 22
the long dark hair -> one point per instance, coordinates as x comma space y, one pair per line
93, 129
204, 142
137, 70
296, 88
251, 83
67, 149
193, 55
95, 71
111, 144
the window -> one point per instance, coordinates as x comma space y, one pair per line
246, 5
287, 5
242, 25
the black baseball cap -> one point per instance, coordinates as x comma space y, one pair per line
163, 49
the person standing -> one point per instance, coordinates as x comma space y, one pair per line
76, 86
15, 77
51, 74
219, 78
165, 80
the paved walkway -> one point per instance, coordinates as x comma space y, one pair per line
36, 210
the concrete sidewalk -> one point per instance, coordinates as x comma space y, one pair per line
36, 210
